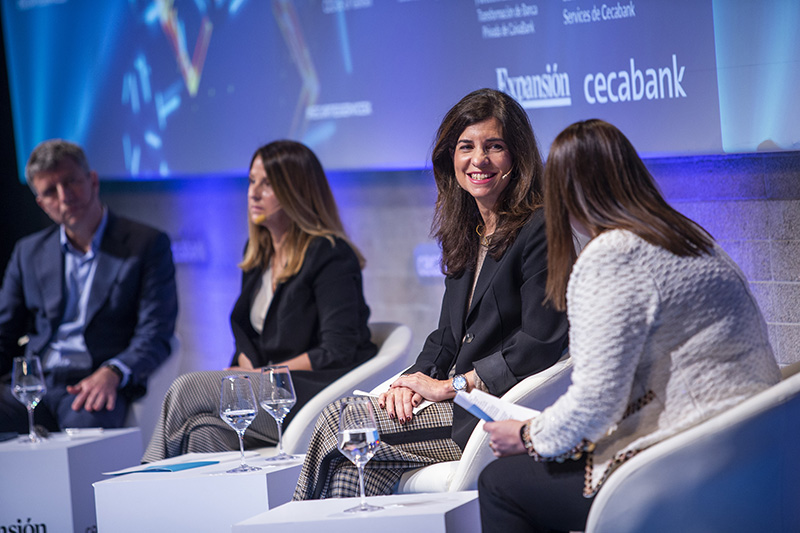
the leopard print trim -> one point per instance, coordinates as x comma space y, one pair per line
637, 405
574, 454
633, 407
479, 384
587, 447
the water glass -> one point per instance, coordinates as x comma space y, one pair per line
28, 386
277, 397
238, 407
358, 440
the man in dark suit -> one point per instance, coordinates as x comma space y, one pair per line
94, 297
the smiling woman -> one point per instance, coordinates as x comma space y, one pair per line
482, 163
494, 330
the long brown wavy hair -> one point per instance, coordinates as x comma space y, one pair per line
301, 187
594, 175
456, 215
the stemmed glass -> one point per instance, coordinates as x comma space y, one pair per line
27, 385
277, 397
358, 440
238, 407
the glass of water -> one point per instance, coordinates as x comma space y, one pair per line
238, 407
277, 397
28, 386
358, 440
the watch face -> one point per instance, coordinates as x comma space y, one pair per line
459, 382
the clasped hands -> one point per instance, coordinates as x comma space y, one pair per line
409, 390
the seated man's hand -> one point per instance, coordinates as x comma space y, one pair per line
95, 392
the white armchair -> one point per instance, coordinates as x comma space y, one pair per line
537, 392
393, 341
737, 471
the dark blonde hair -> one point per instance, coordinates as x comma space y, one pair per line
456, 214
301, 188
594, 175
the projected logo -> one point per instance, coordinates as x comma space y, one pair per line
625, 86
548, 89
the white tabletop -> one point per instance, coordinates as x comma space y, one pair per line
205, 498
60, 440
53, 478
407, 513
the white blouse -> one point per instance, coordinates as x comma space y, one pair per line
258, 312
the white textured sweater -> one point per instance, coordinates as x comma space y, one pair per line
683, 335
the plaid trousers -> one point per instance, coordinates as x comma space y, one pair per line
190, 421
425, 440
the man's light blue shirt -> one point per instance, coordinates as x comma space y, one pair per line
68, 349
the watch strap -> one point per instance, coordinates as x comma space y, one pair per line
115, 369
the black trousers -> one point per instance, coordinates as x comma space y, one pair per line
55, 410
518, 494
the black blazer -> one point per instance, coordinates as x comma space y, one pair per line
321, 310
132, 305
507, 334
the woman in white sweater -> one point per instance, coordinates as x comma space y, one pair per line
664, 333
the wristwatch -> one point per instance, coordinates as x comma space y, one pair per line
115, 369
460, 383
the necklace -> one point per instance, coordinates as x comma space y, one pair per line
484, 239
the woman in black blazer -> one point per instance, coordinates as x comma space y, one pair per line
494, 329
301, 305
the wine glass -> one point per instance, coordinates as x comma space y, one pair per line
358, 440
238, 407
276, 396
27, 385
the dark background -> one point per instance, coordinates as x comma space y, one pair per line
19, 214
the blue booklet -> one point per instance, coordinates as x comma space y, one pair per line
177, 467
473, 409
490, 408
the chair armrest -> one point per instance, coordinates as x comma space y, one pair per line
736, 471
537, 392
393, 341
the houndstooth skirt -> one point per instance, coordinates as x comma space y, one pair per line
326, 473
190, 421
